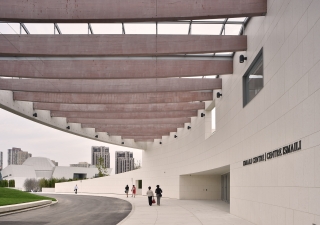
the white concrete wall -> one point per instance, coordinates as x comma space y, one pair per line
200, 187
67, 171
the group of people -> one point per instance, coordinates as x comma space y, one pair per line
133, 191
150, 194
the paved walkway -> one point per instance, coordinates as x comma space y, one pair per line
176, 212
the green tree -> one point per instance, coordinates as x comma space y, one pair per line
103, 171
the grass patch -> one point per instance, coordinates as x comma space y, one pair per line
11, 196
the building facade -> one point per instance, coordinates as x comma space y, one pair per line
81, 164
264, 156
124, 162
1, 160
16, 156
100, 151
22, 156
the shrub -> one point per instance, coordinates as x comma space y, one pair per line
3, 183
31, 185
12, 183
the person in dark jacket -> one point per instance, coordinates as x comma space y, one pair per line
158, 192
127, 190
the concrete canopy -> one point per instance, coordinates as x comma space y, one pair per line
84, 121
118, 44
128, 85
154, 67
111, 108
135, 98
102, 11
110, 85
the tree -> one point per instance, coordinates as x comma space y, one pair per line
103, 171
31, 185
137, 165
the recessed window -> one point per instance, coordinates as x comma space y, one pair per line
253, 79
213, 120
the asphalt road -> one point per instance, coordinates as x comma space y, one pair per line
73, 209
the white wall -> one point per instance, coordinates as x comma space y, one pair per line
200, 187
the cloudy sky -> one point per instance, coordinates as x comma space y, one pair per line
43, 141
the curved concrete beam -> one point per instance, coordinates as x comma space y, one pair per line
136, 98
137, 128
115, 69
111, 85
109, 108
102, 11
118, 44
25, 109
134, 115
129, 121
143, 137
124, 133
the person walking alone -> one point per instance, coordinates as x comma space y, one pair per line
133, 190
76, 189
127, 190
158, 192
150, 195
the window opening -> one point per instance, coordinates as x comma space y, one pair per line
253, 79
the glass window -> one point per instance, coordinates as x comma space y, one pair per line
253, 79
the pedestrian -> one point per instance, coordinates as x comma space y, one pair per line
133, 190
76, 189
158, 192
127, 190
150, 195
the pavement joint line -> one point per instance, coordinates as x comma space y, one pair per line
27, 209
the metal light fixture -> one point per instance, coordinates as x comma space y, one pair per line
242, 58
203, 115
68, 127
219, 94
189, 127
175, 136
35, 115
96, 136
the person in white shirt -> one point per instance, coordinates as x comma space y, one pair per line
150, 195
76, 189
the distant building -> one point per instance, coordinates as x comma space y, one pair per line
124, 162
55, 163
22, 156
40, 167
100, 151
1, 161
81, 164
16, 156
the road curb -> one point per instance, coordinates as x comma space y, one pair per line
17, 208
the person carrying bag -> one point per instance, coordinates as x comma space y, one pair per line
158, 192
150, 196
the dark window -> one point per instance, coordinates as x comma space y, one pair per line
253, 79
139, 184
80, 176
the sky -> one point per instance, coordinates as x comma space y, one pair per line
43, 141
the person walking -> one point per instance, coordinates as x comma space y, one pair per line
150, 195
76, 189
127, 190
133, 190
158, 192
